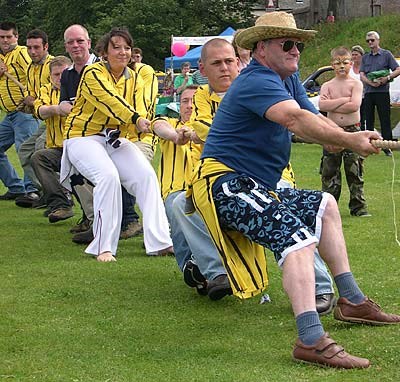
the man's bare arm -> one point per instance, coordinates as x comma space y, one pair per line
313, 128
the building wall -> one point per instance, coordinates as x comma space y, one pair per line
360, 8
309, 12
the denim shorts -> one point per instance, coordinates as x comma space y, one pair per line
283, 221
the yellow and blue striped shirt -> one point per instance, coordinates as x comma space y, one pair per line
102, 102
17, 61
50, 95
37, 75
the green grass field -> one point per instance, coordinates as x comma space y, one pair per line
66, 317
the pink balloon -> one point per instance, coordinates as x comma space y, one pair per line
178, 49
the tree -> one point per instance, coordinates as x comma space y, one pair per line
151, 22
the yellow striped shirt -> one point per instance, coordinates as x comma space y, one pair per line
37, 75
205, 105
176, 162
17, 62
102, 102
147, 73
50, 95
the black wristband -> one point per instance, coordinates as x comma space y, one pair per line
135, 117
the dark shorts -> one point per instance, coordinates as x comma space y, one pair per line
283, 221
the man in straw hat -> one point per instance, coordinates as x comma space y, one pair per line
246, 150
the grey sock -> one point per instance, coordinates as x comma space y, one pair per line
347, 287
309, 327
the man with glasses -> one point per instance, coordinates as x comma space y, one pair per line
376, 90
247, 148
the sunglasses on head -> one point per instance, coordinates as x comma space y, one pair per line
370, 40
289, 44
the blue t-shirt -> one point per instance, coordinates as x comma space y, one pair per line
241, 137
372, 62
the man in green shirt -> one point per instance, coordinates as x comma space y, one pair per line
184, 79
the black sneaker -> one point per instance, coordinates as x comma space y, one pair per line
41, 203
194, 278
27, 200
219, 287
85, 237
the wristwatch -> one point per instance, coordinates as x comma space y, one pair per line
389, 78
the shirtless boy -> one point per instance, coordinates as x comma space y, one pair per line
341, 98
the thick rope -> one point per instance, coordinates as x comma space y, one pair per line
382, 144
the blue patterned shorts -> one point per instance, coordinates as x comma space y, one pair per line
283, 221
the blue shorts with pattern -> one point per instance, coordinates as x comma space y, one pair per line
283, 221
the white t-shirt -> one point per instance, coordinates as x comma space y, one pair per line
353, 74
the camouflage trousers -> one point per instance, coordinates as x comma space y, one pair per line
331, 177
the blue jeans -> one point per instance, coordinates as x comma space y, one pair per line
201, 245
15, 128
181, 247
323, 280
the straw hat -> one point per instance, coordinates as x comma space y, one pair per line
272, 25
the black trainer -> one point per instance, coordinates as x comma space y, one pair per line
27, 200
84, 237
194, 278
219, 287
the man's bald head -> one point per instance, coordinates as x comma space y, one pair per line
214, 43
75, 28
219, 64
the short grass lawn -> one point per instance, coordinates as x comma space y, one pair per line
65, 317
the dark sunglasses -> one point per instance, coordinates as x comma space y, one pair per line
371, 40
289, 44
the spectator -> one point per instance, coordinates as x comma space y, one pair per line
243, 55
341, 99
356, 56
198, 78
184, 79
330, 19
376, 91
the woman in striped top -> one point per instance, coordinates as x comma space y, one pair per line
109, 105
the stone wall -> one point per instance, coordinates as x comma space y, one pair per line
309, 12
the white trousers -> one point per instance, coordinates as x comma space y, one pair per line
107, 168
